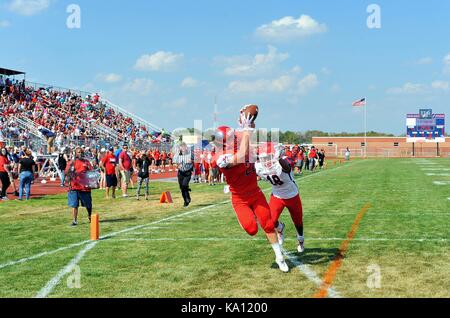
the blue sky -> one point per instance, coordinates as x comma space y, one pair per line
303, 62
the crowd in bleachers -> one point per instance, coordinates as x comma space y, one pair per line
69, 117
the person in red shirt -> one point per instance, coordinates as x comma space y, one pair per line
125, 170
249, 202
108, 164
78, 191
157, 156
205, 165
4, 173
163, 161
312, 158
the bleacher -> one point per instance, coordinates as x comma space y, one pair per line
75, 117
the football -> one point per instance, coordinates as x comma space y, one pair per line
253, 110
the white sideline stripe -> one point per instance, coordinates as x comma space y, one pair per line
441, 183
26, 259
309, 273
36, 256
438, 174
232, 239
435, 169
52, 283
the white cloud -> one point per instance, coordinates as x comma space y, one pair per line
335, 88
109, 78
159, 61
326, 71
289, 28
4, 24
413, 88
276, 85
407, 88
424, 61
28, 7
141, 86
177, 103
189, 82
253, 66
307, 83
440, 85
447, 64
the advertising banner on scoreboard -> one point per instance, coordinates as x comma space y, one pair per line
425, 127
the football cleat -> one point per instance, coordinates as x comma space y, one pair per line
282, 265
301, 246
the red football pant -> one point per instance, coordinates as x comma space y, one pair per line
197, 170
294, 205
251, 210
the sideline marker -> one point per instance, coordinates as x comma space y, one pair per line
95, 228
166, 197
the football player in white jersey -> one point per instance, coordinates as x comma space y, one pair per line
272, 167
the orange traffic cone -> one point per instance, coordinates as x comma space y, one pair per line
166, 197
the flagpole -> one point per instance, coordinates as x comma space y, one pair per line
365, 129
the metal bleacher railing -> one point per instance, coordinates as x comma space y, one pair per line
103, 130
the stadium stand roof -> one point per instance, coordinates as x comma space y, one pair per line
8, 72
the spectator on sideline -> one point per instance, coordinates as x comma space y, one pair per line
4, 173
184, 158
347, 154
13, 157
62, 165
100, 157
108, 165
27, 169
143, 169
125, 170
321, 155
312, 158
78, 192
213, 169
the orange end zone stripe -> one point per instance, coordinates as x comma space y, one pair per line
330, 274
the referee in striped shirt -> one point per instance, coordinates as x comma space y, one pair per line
184, 157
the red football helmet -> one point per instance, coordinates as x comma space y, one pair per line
225, 138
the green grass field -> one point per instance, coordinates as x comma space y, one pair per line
154, 250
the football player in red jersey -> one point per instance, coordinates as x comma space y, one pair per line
277, 169
249, 202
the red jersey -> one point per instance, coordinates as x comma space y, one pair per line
79, 167
242, 180
109, 161
126, 160
3, 161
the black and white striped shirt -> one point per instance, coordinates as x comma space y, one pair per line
184, 161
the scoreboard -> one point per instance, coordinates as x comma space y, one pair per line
425, 127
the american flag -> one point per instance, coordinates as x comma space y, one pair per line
359, 103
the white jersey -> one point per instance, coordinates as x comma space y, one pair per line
283, 184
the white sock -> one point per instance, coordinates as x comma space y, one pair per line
300, 238
277, 249
280, 226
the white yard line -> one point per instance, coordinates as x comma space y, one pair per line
309, 273
438, 174
52, 283
55, 280
317, 239
36, 256
441, 183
